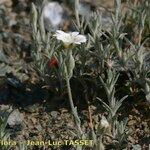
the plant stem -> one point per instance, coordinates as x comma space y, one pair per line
76, 12
73, 109
70, 94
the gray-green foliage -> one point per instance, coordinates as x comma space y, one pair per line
21, 146
113, 104
121, 49
4, 133
44, 44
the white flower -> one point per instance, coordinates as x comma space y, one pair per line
70, 38
104, 123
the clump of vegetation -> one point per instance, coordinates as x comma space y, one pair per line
4, 132
106, 56
104, 67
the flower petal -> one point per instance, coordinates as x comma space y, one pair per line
74, 33
77, 42
80, 39
60, 32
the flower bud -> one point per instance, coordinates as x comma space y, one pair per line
52, 62
70, 64
104, 123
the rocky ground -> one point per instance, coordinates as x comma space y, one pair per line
38, 113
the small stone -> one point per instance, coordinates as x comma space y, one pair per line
52, 13
7, 3
4, 107
54, 114
96, 118
15, 118
52, 136
39, 127
136, 147
131, 122
34, 120
131, 139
